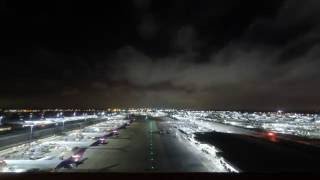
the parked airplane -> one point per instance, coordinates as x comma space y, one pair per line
43, 164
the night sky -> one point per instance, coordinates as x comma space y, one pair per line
220, 55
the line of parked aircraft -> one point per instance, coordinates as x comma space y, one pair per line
64, 151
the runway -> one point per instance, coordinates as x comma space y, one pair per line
141, 148
153, 145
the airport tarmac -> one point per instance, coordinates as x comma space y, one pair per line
152, 145
141, 148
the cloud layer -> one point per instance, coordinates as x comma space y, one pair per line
208, 55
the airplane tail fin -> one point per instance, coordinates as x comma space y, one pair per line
75, 160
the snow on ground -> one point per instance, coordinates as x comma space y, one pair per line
304, 125
185, 132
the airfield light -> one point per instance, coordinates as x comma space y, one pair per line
76, 157
271, 134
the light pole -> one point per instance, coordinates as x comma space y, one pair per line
1, 117
31, 134
63, 124
61, 116
31, 130
55, 128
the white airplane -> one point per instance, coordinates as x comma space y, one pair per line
111, 125
101, 137
94, 129
74, 144
93, 134
109, 131
43, 164
38, 122
108, 127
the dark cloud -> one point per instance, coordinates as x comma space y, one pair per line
215, 55
186, 39
142, 4
147, 28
